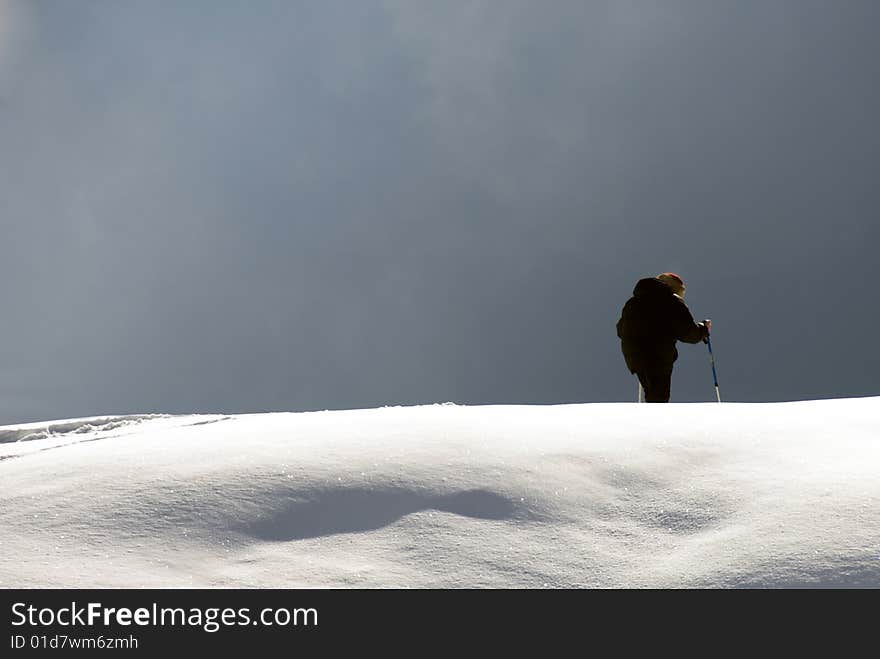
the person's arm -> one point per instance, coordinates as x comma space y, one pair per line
688, 330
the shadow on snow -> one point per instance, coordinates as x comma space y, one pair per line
354, 510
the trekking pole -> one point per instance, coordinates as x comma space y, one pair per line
714, 374
641, 394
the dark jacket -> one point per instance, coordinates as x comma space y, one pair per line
653, 319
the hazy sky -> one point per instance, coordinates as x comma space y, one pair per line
227, 206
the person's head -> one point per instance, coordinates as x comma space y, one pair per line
673, 281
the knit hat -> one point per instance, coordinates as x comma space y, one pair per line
673, 281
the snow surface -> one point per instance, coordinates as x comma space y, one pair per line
588, 495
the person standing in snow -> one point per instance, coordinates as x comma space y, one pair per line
653, 319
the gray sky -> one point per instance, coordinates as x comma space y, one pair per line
242, 207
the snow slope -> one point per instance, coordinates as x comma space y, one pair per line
590, 495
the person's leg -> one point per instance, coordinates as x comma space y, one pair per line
657, 383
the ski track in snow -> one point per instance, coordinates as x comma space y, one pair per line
591, 495
79, 431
